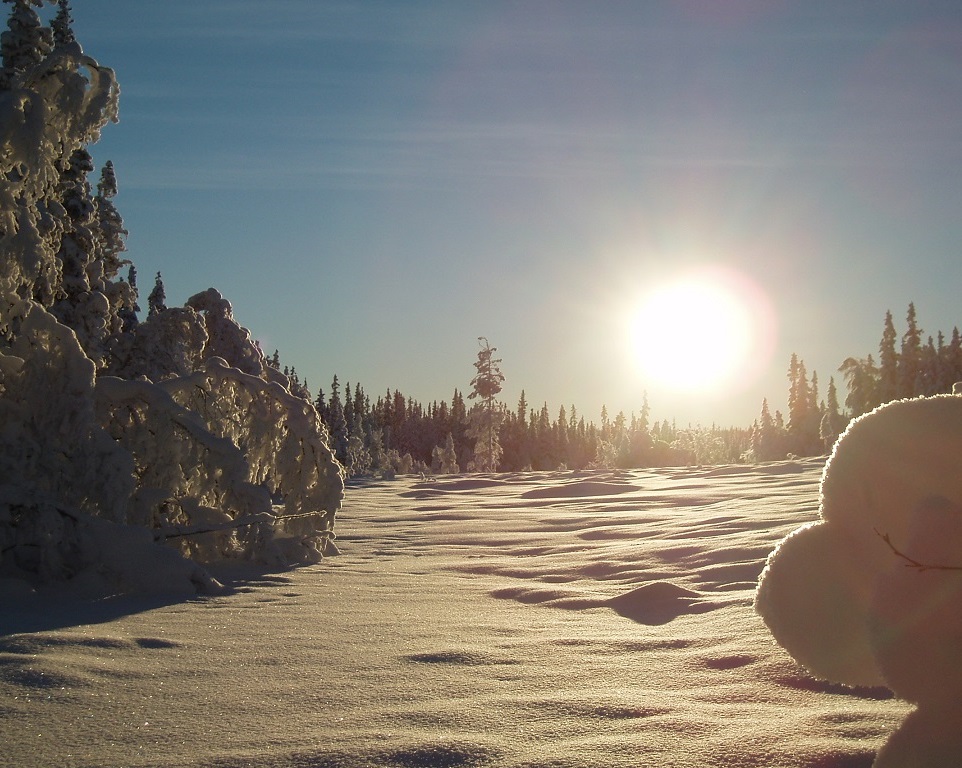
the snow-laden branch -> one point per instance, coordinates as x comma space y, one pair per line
49, 112
281, 436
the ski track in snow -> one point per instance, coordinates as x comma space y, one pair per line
527, 620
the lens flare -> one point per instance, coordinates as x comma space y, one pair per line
705, 331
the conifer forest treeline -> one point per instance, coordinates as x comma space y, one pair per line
393, 433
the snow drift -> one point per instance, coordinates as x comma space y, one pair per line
470, 622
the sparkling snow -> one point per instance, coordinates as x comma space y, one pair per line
545, 620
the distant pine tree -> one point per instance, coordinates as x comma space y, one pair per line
486, 416
803, 415
458, 421
861, 379
910, 359
111, 231
111, 238
337, 424
927, 377
765, 438
832, 422
888, 362
952, 360
157, 300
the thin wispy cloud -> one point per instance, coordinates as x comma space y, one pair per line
532, 134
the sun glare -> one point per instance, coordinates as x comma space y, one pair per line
702, 332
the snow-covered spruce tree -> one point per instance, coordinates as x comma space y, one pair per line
337, 423
157, 298
910, 357
862, 380
444, 459
833, 423
118, 436
110, 237
62, 24
76, 304
888, 373
25, 43
487, 415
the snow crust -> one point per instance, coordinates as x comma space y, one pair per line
870, 593
470, 622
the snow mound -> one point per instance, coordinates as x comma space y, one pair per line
870, 594
658, 603
466, 484
579, 489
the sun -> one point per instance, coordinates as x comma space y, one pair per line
697, 333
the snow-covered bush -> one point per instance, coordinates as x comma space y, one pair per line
125, 447
397, 464
281, 437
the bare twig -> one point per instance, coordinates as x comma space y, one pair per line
911, 562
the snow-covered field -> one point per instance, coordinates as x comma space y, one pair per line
545, 620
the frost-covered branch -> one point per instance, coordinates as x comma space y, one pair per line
281, 435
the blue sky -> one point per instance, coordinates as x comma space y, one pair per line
374, 185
